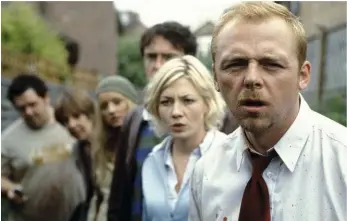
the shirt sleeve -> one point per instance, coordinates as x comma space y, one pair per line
195, 193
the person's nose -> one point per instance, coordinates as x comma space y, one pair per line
253, 78
28, 111
71, 123
177, 110
111, 108
159, 61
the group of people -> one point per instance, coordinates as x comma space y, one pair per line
240, 143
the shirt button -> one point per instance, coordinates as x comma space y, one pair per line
270, 175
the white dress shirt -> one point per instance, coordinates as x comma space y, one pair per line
172, 177
307, 182
160, 199
194, 157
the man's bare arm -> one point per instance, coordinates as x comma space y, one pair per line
6, 185
12, 191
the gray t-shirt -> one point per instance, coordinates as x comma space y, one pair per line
19, 141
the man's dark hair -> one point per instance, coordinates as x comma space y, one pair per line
178, 35
23, 82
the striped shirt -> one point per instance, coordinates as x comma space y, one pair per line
147, 141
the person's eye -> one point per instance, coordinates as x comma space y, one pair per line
165, 102
76, 115
116, 101
235, 65
189, 101
168, 56
151, 56
103, 105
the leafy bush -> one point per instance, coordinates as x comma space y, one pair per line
26, 32
130, 63
335, 109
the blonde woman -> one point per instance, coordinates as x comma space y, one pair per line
185, 106
116, 98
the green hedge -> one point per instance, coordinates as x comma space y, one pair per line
130, 64
24, 31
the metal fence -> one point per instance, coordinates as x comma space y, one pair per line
327, 54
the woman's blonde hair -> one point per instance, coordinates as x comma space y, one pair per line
192, 69
103, 158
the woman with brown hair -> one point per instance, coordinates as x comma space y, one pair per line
77, 111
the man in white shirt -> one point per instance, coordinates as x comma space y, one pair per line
286, 162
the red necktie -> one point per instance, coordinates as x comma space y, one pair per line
255, 204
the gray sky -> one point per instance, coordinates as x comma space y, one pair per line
187, 12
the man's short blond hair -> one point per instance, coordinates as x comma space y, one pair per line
192, 69
259, 11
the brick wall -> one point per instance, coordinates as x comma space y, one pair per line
91, 24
